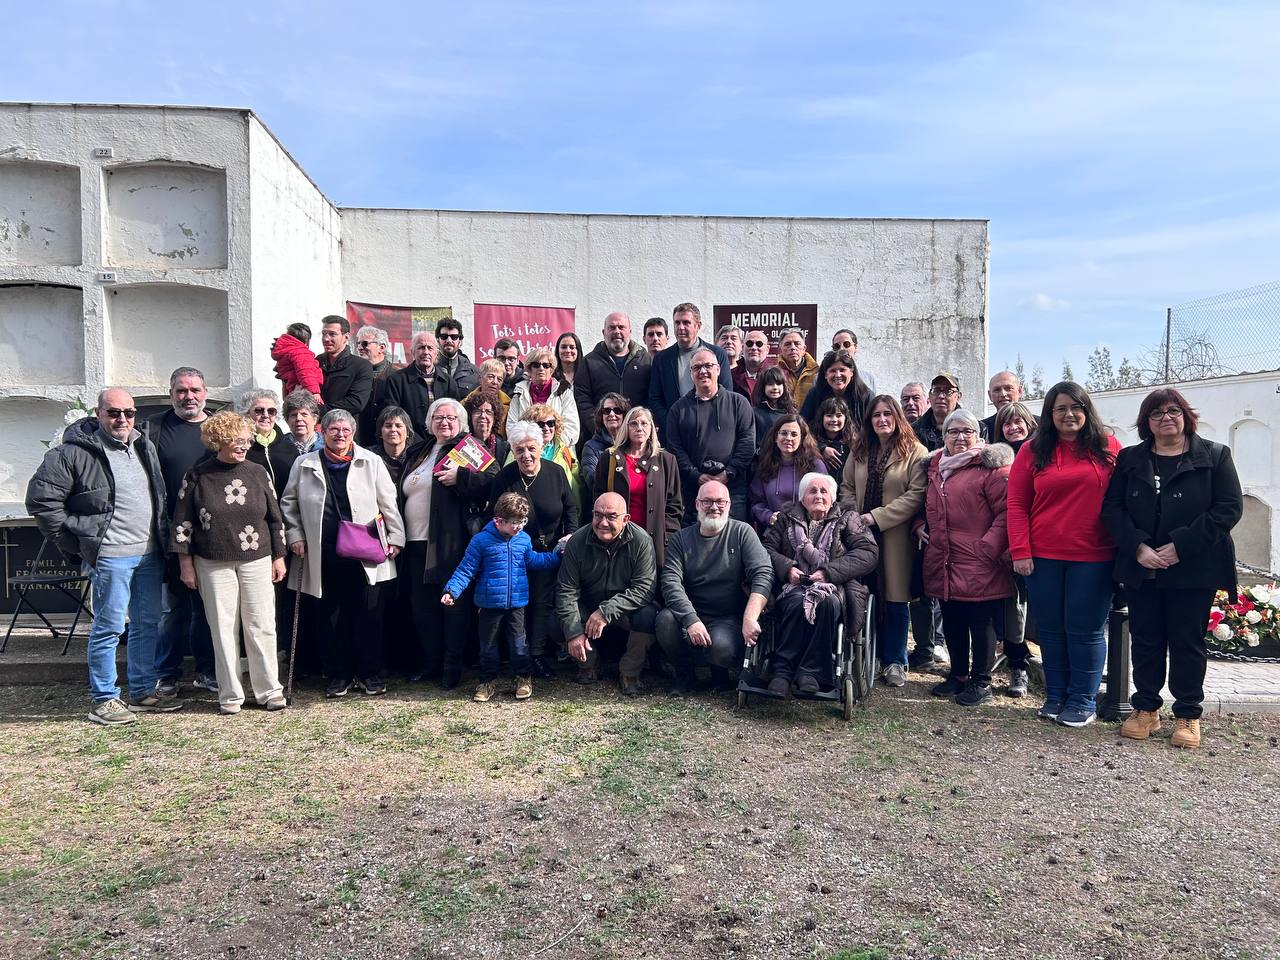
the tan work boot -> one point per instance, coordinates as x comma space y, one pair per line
524, 688
1186, 733
1140, 724
484, 693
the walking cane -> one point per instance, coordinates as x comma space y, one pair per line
293, 640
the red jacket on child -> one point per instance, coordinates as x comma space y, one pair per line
296, 366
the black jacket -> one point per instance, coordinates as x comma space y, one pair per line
367, 434
1195, 511
348, 383
664, 381
722, 429
617, 578
73, 496
413, 392
464, 378
277, 459
597, 375
929, 431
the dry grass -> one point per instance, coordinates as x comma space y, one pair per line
581, 825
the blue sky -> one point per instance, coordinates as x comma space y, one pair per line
1125, 153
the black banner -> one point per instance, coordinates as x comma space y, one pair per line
773, 319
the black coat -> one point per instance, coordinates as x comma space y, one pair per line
447, 529
277, 459
414, 393
348, 383
597, 375
1195, 511
464, 377
368, 419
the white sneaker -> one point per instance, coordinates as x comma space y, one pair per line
895, 675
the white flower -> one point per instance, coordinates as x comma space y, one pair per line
235, 491
1249, 637
206, 519
182, 490
1259, 594
248, 538
183, 533
1253, 616
1222, 632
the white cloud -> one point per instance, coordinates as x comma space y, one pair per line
1045, 303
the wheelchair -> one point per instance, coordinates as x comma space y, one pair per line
852, 660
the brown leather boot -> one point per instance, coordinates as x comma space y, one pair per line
1186, 733
1140, 724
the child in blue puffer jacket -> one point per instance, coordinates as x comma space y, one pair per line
499, 558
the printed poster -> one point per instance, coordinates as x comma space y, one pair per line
773, 319
529, 327
401, 323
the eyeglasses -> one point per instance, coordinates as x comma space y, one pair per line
240, 443
700, 367
606, 517
448, 336
1173, 413
265, 411
943, 392
718, 504
339, 432
507, 357
514, 523
443, 418
120, 413
540, 365
962, 433
547, 424
1075, 410
610, 412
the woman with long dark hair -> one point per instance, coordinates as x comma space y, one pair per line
787, 454
837, 377
772, 400
568, 355
1058, 542
1171, 504
884, 480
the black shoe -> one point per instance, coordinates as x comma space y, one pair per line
681, 688
450, 679
807, 684
948, 687
337, 688
539, 669
372, 687
1017, 683
975, 695
780, 687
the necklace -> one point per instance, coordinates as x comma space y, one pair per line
528, 483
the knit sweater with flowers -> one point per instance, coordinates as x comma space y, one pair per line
227, 512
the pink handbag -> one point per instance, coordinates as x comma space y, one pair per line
356, 541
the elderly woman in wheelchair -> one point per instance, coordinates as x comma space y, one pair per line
819, 551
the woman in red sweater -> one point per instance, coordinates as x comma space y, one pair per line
1058, 542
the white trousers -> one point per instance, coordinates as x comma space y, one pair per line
240, 596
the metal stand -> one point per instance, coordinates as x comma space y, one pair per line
1114, 703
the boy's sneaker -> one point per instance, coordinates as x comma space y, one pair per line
206, 681
1050, 710
154, 703
372, 687
975, 695
112, 713
1018, 683
948, 687
337, 688
1076, 717
524, 688
484, 693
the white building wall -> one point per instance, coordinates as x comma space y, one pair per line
1242, 412
914, 290
297, 258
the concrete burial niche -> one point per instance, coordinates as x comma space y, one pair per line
153, 328
42, 336
166, 216
26, 424
39, 214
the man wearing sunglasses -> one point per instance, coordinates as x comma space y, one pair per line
99, 496
755, 361
617, 364
456, 375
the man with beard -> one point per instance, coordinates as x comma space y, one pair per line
708, 616
348, 379
617, 365
456, 375
374, 344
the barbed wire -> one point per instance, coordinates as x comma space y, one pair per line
1228, 333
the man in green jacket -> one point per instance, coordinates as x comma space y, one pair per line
608, 578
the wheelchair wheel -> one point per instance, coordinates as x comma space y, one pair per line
742, 699
847, 697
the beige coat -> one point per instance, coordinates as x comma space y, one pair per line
370, 490
905, 482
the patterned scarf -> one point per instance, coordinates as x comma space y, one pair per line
809, 557
949, 463
876, 466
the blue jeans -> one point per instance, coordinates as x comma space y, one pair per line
124, 585
183, 624
892, 645
1071, 600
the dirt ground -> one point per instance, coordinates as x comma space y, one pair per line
584, 825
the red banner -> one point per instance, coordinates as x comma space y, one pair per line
401, 323
529, 327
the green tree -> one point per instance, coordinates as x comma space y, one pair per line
1035, 389
1066, 370
1101, 374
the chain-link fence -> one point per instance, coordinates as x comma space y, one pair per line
1236, 332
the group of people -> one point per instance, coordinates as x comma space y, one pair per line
666, 503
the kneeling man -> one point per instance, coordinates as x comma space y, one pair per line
716, 580
608, 578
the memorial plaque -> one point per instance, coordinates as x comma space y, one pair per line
19, 546
773, 319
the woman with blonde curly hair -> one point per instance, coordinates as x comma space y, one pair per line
228, 534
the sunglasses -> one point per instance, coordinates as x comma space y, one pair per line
610, 411
757, 343
265, 411
540, 365
118, 413
448, 336
547, 424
